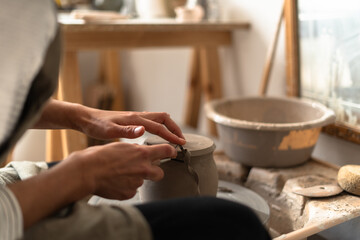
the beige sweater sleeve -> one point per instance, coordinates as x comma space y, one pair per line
11, 221
16, 171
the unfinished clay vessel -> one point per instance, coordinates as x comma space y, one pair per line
269, 131
183, 177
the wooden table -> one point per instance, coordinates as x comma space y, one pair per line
109, 37
292, 216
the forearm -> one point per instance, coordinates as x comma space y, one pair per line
60, 115
45, 193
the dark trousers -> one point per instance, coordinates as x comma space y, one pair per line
202, 218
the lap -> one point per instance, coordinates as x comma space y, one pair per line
93, 222
202, 218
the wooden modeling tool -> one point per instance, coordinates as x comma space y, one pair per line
325, 190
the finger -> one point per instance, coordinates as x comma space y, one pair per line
161, 151
166, 120
155, 174
173, 127
130, 131
135, 182
159, 129
153, 123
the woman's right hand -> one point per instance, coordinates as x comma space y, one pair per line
112, 171
116, 170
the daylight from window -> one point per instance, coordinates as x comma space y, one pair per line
329, 32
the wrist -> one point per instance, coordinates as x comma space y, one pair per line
81, 170
49, 191
62, 115
78, 117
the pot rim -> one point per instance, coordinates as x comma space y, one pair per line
328, 116
208, 146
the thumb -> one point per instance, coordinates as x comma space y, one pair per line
131, 131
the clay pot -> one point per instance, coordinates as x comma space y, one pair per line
179, 180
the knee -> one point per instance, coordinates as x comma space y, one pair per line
232, 218
228, 210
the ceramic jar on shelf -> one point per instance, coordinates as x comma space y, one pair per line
151, 9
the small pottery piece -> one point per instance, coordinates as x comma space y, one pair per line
151, 9
192, 173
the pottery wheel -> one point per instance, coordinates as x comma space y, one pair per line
226, 190
245, 196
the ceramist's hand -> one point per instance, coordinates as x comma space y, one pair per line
113, 124
102, 124
116, 170
113, 171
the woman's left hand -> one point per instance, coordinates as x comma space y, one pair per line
102, 124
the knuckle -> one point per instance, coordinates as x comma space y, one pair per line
144, 152
109, 131
159, 128
165, 115
133, 115
171, 151
168, 149
143, 171
127, 129
158, 175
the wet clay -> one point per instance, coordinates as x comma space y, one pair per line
192, 173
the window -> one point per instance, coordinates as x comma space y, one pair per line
323, 45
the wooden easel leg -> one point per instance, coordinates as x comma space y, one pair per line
70, 90
53, 146
210, 77
9, 158
194, 92
111, 75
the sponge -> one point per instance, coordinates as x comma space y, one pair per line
349, 178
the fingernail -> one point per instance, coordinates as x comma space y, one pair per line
138, 130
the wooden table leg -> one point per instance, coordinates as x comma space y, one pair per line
69, 90
53, 143
9, 158
194, 92
210, 77
54, 148
111, 75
